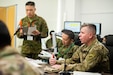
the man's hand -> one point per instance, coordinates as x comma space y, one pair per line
52, 60
21, 32
56, 66
36, 32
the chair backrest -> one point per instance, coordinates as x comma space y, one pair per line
99, 38
77, 40
109, 46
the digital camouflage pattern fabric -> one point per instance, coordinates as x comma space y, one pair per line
12, 63
67, 52
49, 43
92, 58
33, 46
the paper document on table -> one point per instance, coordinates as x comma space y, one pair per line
45, 54
85, 73
31, 29
35, 63
32, 62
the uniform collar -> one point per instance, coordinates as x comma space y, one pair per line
32, 19
87, 48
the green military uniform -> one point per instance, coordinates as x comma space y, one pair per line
12, 63
67, 52
92, 58
49, 43
31, 48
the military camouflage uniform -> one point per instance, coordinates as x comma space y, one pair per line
49, 43
67, 52
12, 63
31, 48
92, 58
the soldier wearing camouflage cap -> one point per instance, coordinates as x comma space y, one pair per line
31, 48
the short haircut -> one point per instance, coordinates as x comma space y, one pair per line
69, 33
92, 27
31, 3
5, 38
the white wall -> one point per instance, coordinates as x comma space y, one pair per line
55, 12
91, 11
99, 11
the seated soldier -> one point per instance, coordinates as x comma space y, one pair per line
91, 56
68, 47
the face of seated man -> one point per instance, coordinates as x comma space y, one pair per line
66, 40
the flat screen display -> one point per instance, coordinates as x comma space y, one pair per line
73, 25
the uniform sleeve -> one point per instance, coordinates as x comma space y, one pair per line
89, 62
44, 29
75, 58
48, 43
75, 48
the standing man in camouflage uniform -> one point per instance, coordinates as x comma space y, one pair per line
92, 56
11, 62
31, 48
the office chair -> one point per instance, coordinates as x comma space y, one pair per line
99, 38
109, 46
77, 41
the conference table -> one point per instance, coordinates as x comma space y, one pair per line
41, 69
43, 63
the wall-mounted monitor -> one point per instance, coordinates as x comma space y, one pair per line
73, 25
98, 28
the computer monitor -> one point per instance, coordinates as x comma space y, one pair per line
72, 25
98, 28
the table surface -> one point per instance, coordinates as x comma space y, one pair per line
41, 69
